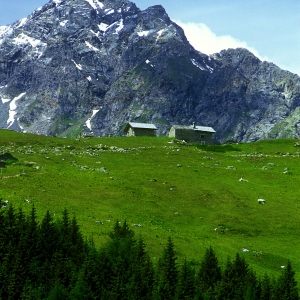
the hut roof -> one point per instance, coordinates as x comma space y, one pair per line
140, 125
196, 128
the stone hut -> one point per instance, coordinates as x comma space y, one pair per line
86, 134
140, 129
192, 133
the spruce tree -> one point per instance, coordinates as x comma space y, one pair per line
91, 272
287, 285
48, 238
209, 273
16, 277
78, 246
16, 267
252, 287
186, 289
2, 234
95, 274
266, 288
64, 234
81, 290
120, 251
141, 281
10, 226
234, 277
32, 234
47, 246
240, 268
8, 276
167, 273
29, 292
58, 292
225, 289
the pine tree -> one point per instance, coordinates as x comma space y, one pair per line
19, 264
15, 271
232, 285
10, 226
81, 289
141, 281
16, 277
241, 269
252, 287
58, 292
2, 234
8, 256
167, 273
32, 234
120, 251
22, 258
47, 246
209, 273
47, 238
64, 234
287, 285
93, 277
78, 246
120, 232
71, 251
265, 288
186, 289
225, 289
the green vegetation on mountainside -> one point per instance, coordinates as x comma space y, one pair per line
201, 196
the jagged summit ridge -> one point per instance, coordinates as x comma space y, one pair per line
76, 65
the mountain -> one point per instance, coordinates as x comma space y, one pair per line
76, 65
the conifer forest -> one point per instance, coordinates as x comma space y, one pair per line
52, 260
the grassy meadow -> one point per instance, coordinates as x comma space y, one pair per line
198, 195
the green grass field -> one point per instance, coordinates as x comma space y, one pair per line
189, 192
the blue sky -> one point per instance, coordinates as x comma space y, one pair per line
270, 29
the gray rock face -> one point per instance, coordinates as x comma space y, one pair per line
87, 65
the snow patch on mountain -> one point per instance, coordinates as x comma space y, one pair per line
12, 110
22, 22
78, 66
91, 46
4, 100
95, 4
63, 23
109, 11
120, 27
197, 65
57, 2
23, 39
4, 32
159, 33
103, 26
88, 122
143, 33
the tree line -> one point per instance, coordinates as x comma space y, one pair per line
51, 260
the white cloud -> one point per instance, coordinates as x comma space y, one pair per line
203, 39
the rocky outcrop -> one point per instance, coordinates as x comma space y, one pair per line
77, 65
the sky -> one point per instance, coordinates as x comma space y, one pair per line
270, 29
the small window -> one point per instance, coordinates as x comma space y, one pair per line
202, 136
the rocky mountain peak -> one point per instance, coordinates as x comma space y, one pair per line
90, 65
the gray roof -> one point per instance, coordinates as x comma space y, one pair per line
196, 128
203, 128
142, 125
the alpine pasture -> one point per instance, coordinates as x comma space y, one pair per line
198, 195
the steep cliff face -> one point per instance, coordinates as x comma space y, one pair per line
76, 65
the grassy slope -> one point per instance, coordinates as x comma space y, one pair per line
171, 190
